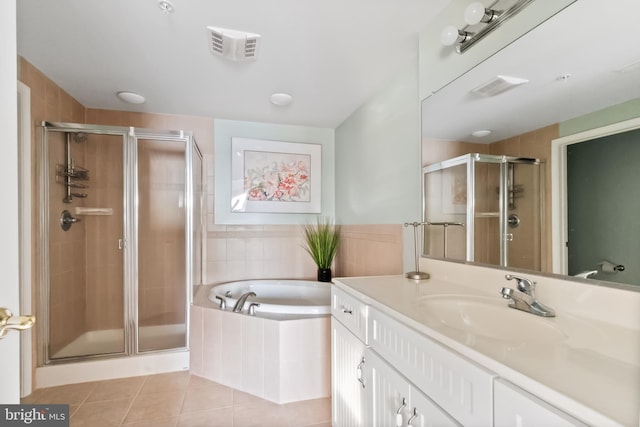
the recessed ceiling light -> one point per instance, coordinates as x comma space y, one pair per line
166, 6
481, 133
131, 98
281, 99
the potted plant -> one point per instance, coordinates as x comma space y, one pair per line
322, 241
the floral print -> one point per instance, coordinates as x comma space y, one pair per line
278, 177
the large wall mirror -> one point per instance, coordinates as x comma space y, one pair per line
561, 157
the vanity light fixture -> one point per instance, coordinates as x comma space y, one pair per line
480, 21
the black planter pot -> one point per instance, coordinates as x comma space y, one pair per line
324, 275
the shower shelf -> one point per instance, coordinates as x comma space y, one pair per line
75, 172
69, 175
487, 214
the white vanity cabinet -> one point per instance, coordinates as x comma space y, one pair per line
396, 402
459, 386
515, 407
351, 396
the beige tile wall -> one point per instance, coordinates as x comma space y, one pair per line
49, 102
536, 144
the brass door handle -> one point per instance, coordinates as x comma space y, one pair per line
8, 322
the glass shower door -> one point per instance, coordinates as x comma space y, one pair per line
162, 202
85, 254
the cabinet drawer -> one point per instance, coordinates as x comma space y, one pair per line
460, 387
514, 406
351, 312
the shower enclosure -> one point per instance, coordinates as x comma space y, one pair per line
484, 208
121, 240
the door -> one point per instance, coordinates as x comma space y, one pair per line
9, 261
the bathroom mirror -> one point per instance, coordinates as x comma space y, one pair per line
583, 73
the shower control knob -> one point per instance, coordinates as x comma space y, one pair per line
66, 220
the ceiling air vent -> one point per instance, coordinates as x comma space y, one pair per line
498, 85
233, 45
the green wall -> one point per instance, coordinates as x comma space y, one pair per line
615, 114
378, 157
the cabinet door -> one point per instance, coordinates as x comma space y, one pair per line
516, 407
349, 384
391, 393
425, 413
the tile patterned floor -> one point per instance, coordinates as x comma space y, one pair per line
177, 399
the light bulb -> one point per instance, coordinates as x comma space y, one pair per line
449, 35
474, 13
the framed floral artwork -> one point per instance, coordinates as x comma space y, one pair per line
275, 176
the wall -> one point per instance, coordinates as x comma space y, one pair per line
243, 246
378, 177
614, 114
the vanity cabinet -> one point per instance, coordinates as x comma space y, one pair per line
396, 402
351, 399
460, 387
516, 407
351, 396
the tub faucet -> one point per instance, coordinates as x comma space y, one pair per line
524, 298
240, 303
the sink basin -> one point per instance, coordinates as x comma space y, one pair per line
471, 317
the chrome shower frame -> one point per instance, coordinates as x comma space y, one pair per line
130, 137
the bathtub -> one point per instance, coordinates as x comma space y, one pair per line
282, 354
288, 297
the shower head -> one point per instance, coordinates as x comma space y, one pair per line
79, 137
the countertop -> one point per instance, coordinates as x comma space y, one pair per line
588, 368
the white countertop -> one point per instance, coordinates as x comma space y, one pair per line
592, 371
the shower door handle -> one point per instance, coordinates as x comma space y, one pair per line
8, 322
122, 244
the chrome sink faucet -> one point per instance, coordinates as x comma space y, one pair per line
240, 303
524, 298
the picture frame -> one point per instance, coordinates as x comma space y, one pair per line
275, 176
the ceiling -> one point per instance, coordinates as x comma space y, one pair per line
330, 55
589, 41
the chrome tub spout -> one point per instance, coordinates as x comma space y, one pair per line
240, 303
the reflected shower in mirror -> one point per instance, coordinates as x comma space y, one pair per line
586, 85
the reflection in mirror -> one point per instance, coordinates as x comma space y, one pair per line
581, 81
484, 208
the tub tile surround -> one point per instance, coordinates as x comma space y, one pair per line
593, 373
278, 360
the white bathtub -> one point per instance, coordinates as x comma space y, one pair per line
301, 297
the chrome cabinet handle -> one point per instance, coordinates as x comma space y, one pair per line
399, 412
346, 310
359, 372
8, 322
413, 416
